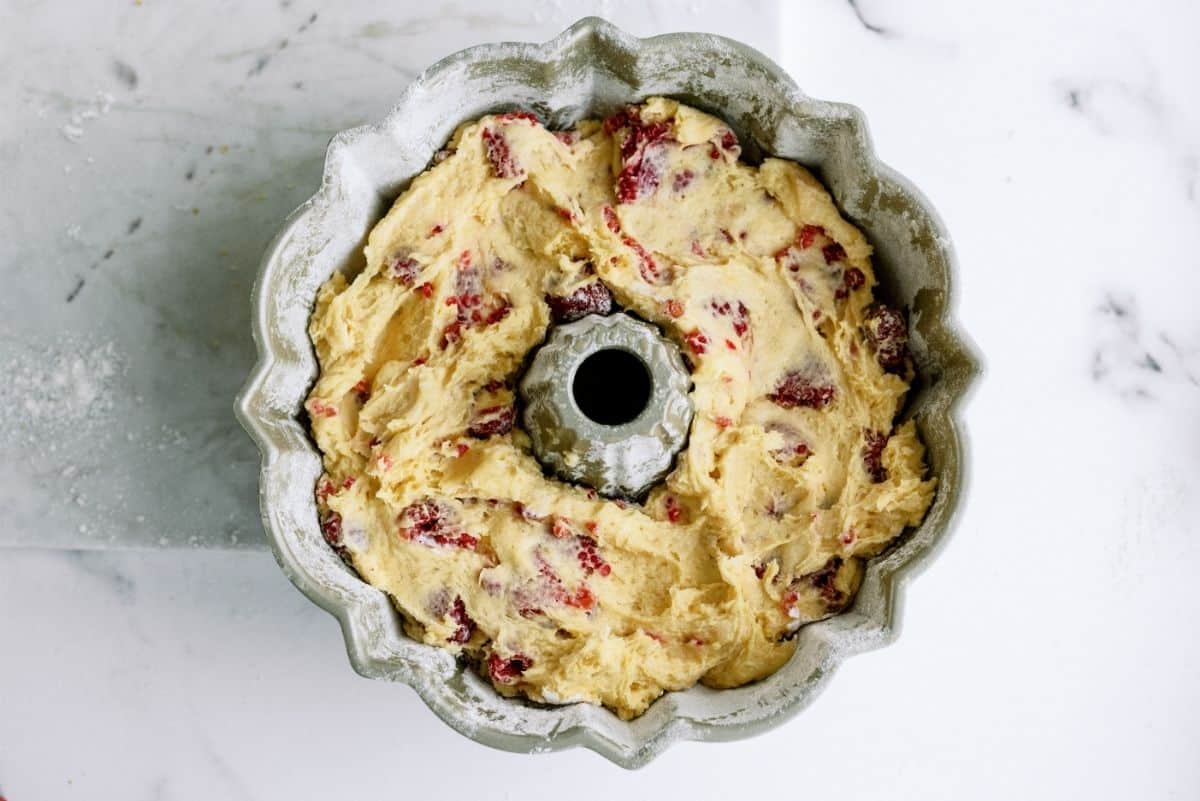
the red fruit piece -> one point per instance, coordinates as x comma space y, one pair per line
593, 298
324, 489
760, 569
872, 455
649, 269
402, 267
674, 510
887, 333
739, 315
852, 279
723, 422
682, 180
490, 421
590, 559
640, 177
362, 390
506, 670
610, 219
568, 138
331, 528
318, 408
729, 140
472, 308
799, 389
496, 148
465, 625
808, 233
435, 230
643, 154
824, 580
673, 307
833, 252
697, 341
426, 290
431, 523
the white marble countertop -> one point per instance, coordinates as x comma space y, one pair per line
150, 151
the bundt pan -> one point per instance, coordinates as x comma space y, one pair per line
588, 71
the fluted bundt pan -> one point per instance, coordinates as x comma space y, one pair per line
588, 71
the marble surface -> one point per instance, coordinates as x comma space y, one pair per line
150, 151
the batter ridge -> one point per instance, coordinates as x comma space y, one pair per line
795, 471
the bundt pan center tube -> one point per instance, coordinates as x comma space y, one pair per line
591, 70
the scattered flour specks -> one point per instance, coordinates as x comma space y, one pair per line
69, 383
95, 108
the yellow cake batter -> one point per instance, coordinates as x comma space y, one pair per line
793, 472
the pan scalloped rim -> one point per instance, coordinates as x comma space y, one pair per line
589, 69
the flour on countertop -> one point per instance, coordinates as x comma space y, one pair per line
73, 128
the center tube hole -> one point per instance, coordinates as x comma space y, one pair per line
612, 386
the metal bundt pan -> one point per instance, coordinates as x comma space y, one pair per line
587, 71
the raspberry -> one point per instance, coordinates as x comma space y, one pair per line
426, 290
797, 389
402, 267
808, 233
698, 249
681, 180
568, 138
723, 422
318, 408
739, 315
469, 300
435, 230
498, 152
729, 140
872, 455
490, 421
697, 341
466, 626
590, 559
852, 279
331, 528
506, 670
648, 268
643, 155
593, 298
824, 580
833, 252
674, 510
430, 522
760, 569
620, 120
887, 333
362, 391
610, 219
673, 308
641, 176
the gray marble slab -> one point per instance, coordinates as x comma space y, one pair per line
149, 153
